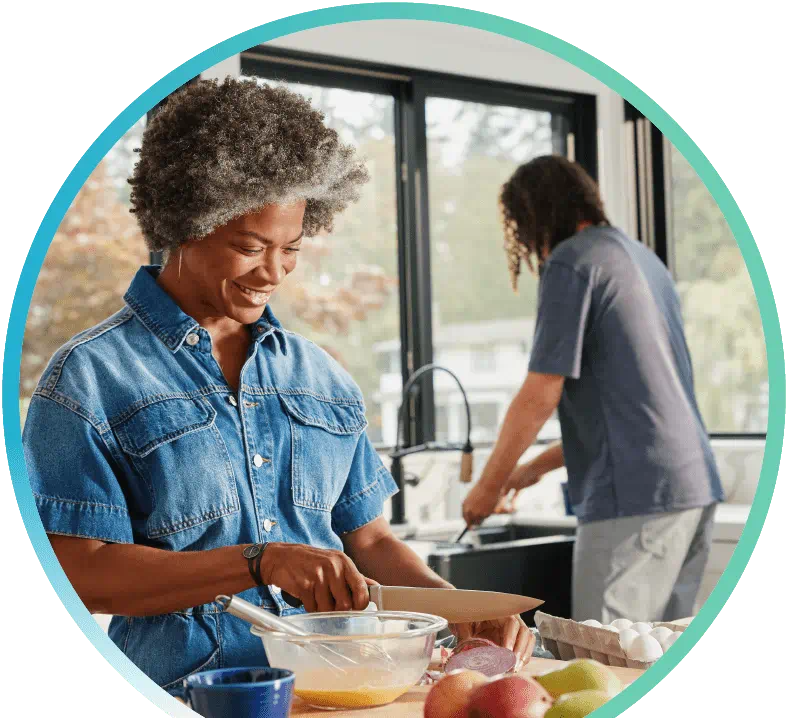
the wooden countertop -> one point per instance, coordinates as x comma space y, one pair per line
411, 705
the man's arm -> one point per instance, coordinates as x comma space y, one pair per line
531, 472
533, 405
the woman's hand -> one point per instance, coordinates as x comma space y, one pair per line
511, 633
322, 579
479, 504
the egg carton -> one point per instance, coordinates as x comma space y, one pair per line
567, 640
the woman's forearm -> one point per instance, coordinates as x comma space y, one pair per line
392, 562
134, 580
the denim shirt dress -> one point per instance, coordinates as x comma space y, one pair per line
133, 436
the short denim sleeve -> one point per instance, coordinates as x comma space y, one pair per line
70, 470
564, 304
368, 487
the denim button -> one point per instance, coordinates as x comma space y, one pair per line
232, 400
193, 339
258, 460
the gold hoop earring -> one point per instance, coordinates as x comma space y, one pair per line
180, 262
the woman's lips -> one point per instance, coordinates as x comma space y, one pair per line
255, 297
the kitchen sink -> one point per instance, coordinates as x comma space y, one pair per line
515, 532
538, 566
486, 535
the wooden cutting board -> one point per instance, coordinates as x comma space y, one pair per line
411, 705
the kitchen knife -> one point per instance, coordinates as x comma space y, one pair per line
455, 605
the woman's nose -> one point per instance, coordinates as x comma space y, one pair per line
271, 270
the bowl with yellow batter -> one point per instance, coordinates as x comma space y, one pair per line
354, 659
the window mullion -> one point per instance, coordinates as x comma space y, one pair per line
414, 272
421, 309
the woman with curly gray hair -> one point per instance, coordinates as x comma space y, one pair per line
189, 445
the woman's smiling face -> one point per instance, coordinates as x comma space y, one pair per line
234, 271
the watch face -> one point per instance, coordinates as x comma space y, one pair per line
252, 551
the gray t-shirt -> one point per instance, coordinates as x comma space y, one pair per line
609, 320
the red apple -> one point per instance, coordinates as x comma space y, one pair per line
448, 696
510, 697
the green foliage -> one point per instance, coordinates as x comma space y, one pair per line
723, 325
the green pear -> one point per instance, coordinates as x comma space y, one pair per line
577, 705
581, 675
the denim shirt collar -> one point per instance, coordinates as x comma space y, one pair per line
164, 318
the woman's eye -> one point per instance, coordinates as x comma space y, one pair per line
290, 250
249, 251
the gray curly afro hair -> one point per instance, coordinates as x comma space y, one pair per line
217, 151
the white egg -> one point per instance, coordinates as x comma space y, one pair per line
644, 648
592, 622
621, 623
626, 637
660, 633
669, 640
610, 628
642, 628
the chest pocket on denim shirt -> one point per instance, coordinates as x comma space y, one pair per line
176, 447
325, 435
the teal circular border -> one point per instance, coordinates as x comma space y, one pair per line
394, 11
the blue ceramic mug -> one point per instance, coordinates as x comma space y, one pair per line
240, 693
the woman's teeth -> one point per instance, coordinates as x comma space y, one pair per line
254, 297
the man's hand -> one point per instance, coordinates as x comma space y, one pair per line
531, 407
511, 633
506, 503
523, 477
479, 504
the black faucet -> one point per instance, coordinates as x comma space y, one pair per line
466, 465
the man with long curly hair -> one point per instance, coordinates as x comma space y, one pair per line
190, 446
609, 353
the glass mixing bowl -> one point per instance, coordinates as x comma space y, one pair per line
359, 660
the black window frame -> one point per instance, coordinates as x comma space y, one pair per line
573, 113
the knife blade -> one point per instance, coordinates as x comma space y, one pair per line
455, 605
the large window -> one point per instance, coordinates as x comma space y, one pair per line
472, 149
413, 273
426, 237
723, 325
675, 214
344, 295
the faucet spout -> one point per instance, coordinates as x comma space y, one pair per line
466, 464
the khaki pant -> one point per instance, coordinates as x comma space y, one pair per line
644, 568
